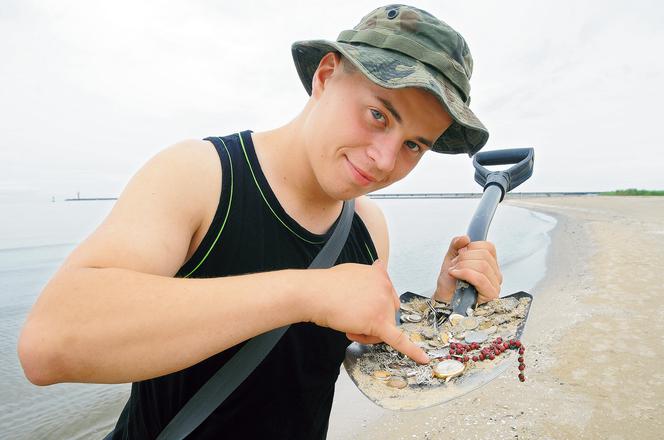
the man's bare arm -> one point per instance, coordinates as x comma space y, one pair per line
113, 312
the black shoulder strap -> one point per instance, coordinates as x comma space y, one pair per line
240, 366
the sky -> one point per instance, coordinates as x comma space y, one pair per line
90, 90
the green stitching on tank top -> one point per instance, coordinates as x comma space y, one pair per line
265, 200
371, 257
228, 210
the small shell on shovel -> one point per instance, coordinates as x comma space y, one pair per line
416, 337
455, 318
491, 330
448, 369
469, 323
382, 374
397, 382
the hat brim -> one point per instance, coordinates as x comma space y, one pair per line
394, 70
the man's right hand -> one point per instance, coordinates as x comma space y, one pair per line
360, 301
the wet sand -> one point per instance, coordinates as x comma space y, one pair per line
595, 341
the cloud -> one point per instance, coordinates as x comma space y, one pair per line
96, 88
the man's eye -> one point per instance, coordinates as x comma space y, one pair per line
377, 115
412, 146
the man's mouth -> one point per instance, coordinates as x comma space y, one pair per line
362, 177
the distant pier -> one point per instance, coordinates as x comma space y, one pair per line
518, 195
89, 199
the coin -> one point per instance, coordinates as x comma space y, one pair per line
477, 336
411, 317
448, 369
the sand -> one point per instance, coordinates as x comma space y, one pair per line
595, 341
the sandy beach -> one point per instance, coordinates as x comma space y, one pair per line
595, 341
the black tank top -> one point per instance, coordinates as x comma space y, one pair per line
289, 395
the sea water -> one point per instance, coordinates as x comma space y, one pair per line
35, 238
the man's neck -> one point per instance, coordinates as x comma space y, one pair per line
283, 159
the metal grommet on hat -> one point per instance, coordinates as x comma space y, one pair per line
400, 46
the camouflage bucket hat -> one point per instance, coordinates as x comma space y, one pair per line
399, 46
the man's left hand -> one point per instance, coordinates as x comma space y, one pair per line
475, 263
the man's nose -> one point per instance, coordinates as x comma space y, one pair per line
384, 152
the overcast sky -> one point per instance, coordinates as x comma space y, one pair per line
90, 90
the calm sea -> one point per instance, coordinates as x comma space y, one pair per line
36, 237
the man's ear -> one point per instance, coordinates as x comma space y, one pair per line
329, 64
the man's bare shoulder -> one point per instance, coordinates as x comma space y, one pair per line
373, 218
192, 155
161, 215
193, 164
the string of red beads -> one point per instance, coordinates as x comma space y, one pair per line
461, 352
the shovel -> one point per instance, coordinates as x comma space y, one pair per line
496, 184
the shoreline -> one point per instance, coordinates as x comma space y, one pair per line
355, 416
593, 339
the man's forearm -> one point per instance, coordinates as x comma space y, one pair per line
113, 325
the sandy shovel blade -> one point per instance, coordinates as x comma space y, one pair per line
423, 396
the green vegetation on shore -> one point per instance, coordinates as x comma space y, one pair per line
633, 192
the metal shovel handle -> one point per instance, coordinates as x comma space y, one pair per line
496, 184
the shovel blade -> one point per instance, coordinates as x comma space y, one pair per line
424, 396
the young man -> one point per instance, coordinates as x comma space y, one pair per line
196, 258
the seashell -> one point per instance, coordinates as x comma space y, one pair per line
500, 319
382, 374
444, 337
455, 318
469, 323
478, 336
407, 307
485, 325
456, 331
416, 337
484, 311
435, 343
505, 305
440, 305
411, 373
437, 353
394, 366
491, 330
448, 369
397, 382
429, 333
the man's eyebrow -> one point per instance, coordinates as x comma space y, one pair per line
390, 108
388, 105
426, 142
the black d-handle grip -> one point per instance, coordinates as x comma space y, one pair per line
507, 180
496, 184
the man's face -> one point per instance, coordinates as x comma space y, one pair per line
362, 137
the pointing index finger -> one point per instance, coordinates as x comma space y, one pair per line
398, 340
